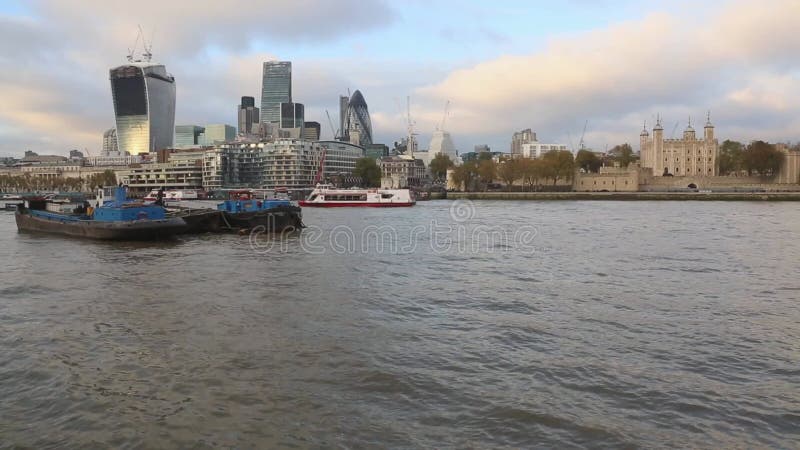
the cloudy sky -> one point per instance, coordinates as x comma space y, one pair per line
504, 65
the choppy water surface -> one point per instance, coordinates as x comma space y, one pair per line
612, 324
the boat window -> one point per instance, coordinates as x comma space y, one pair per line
313, 197
387, 195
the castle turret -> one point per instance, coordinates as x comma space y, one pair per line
644, 151
658, 148
709, 129
688, 133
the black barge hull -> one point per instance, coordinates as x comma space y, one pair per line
139, 230
274, 220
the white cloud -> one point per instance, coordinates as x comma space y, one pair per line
737, 59
621, 75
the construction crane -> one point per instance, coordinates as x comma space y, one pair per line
582, 144
147, 53
444, 117
330, 122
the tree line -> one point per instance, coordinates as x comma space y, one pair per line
27, 182
757, 158
529, 173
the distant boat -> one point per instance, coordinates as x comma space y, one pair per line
173, 195
326, 196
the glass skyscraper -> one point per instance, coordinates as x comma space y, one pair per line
276, 88
144, 107
248, 116
357, 120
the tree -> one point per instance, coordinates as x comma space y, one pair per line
623, 154
558, 164
368, 170
588, 161
459, 177
439, 165
532, 170
763, 158
731, 154
510, 170
465, 175
487, 172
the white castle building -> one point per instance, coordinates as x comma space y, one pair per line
680, 157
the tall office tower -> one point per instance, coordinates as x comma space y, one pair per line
292, 115
248, 116
276, 88
144, 105
344, 101
358, 121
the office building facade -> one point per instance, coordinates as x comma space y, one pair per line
144, 107
276, 88
215, 134
311, 131
248, 117
110, 141
188, 136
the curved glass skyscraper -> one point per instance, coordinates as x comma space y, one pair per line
357, 120
144, 107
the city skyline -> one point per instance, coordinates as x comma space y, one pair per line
502, 69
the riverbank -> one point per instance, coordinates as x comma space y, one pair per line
695, 196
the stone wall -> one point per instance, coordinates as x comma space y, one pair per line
656, 184
608, 179
790, 171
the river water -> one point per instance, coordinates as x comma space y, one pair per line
465, 325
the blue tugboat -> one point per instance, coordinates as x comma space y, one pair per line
111, 219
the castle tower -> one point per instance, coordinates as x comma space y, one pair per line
658, 148
709, 129
711, 148
644, 152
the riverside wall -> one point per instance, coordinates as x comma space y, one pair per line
688, 196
